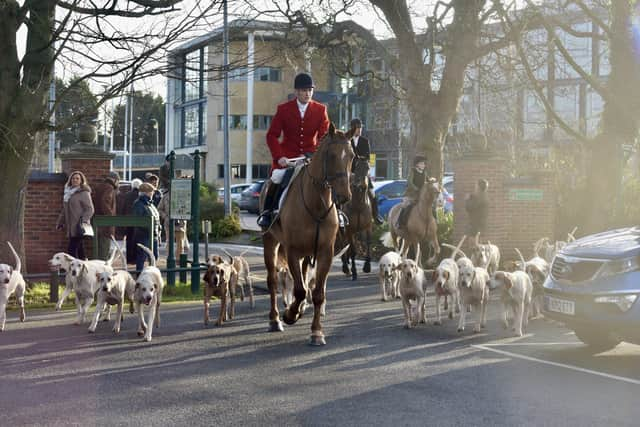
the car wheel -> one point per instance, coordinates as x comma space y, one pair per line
597, 340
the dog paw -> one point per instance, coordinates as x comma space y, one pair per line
476, 329
450, 315
116, 330
460, 329
147, 338
437, 323
407, 326
140, 333
91, 330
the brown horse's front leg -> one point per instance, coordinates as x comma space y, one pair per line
293, 312
270, 253
324, 265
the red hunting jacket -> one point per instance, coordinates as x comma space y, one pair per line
299, 135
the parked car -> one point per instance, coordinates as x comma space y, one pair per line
235, 190
249, 198
390, 192
593, 286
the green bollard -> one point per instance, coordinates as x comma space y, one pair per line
183, 264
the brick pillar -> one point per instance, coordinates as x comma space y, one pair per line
468, 170
521, 209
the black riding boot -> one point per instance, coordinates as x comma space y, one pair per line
374, 208
265, 218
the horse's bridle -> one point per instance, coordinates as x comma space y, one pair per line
326, 178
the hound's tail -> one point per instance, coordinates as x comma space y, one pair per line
524, 264
537, 245
571, 236
119, 250
455, 250
112, 257
152, 258
15, 254
478, 238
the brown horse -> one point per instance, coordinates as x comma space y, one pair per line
358, 210
420, 224
307, 226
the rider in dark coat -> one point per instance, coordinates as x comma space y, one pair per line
362, 149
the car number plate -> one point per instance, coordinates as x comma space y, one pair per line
561, 306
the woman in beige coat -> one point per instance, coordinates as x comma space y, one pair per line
77, 208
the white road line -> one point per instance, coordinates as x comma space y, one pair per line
515, 344
559, 365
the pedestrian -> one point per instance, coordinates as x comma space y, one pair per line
104, 201
415, 181
477, 207
144, 206
179, 226
362, 149
129, 199
295, 131
157, 194
163, 174
77, 209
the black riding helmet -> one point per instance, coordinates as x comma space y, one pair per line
303, 81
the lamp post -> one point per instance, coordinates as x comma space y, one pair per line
153, 123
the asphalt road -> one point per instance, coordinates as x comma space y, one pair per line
372, 371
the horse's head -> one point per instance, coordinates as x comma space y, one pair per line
360, 173
430, 190
331, 164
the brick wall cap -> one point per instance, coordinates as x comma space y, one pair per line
41, 176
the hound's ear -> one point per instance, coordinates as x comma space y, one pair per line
507, 282
98, 277
434, 275
446, 274
137, 286
67, 257
10, 270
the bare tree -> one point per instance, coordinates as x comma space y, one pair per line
112, 44
620, 91
427, 65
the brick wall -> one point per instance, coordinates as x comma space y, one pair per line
44, 203
516, 217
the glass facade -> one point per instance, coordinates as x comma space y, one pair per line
260, 74
191, 100
239, 122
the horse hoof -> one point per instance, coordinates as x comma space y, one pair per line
354, 277
276, 326
317, 340
367, 267
345, 270
286, 317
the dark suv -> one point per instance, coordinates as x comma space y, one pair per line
593, 286
250, 198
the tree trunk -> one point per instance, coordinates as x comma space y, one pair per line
620, 122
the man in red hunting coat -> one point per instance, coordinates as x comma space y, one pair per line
295, 131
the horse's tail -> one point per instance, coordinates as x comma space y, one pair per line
342, 252
387, 240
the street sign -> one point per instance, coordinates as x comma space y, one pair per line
180, 199
526, 194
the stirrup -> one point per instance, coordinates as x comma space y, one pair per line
343, 220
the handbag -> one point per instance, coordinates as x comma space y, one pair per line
86, 230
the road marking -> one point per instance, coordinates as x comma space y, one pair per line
514, 344
556, 364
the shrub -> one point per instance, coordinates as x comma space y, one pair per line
227, 226
212, 210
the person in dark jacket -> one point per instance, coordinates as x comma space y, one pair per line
415, 181
129, 199
477, 207
104, 201
144, 206
157, 194
362, 149
77, 208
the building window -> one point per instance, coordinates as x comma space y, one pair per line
534, 117
192, 76
261, 74
239, 171
382, 166
566, 100
579, 48
239, 122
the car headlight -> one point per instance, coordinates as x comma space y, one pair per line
624, 302
611, 268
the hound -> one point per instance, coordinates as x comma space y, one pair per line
389, 276
474, 290
11, 281
221, 279
445, 277
148, 291
412, 288
516, 297
486, 255
244, 272
537, 268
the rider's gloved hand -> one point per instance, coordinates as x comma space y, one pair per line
283, 162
